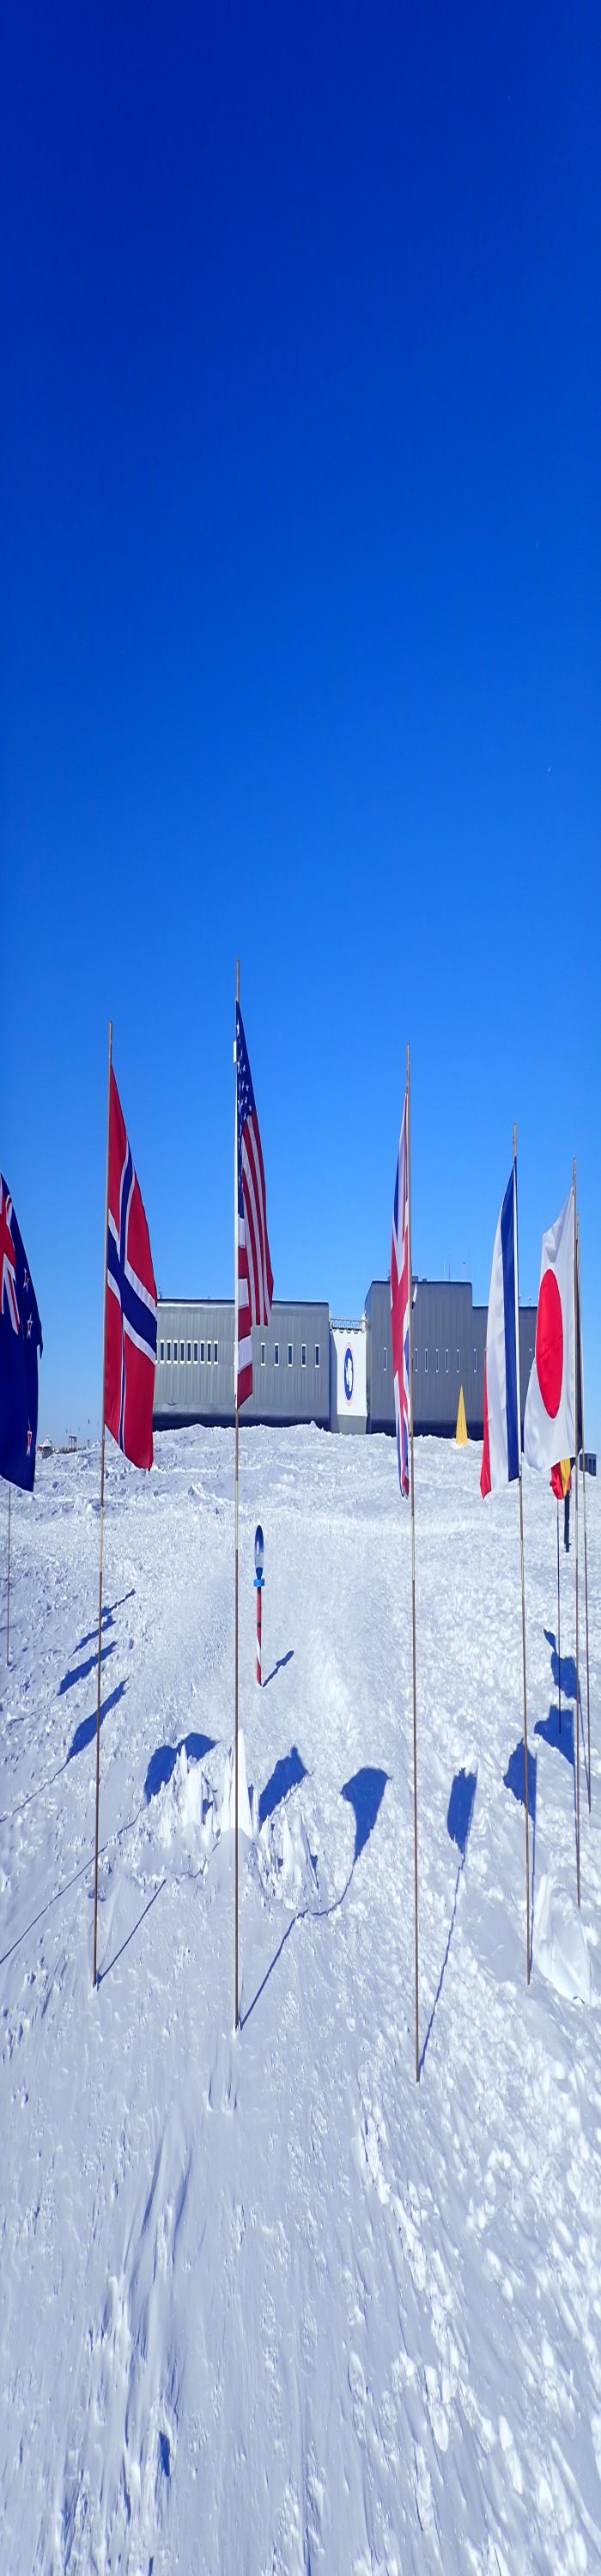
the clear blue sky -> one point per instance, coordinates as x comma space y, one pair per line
301, 634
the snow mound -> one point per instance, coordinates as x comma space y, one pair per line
285, 1862
227, 1811
186, 1815
560, 1949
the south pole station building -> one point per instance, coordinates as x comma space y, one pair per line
308, 1366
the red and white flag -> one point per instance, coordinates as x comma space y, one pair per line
131, 1302
254, 1276
550, 1416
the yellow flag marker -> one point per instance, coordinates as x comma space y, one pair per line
461, 1440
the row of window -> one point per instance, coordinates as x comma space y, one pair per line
166, 1353
446, 1361
182, 1352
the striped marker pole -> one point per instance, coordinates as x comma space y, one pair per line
259, 1555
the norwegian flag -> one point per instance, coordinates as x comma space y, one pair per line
400, 1291
131, 1303
254, 1277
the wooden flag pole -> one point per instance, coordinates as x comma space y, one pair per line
519, 1391
558, 1622
576, 1548
415, 1878
237, 1418
580, 1356
8, 1588
106, 1241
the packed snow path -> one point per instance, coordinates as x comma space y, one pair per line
268, 2307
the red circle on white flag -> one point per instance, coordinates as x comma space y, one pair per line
549, 1344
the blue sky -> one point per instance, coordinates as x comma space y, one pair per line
301, 644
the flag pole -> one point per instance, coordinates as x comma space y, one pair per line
520, 1480
558, 1620
576, 1546
106, 1240
415, 1879
580, 1356
8, 1588
237, 1420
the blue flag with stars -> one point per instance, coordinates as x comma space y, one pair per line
20, 1341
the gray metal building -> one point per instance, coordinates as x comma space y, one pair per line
294, 1359
195, 1364
449, 1342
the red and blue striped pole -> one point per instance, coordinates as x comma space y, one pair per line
259, 1554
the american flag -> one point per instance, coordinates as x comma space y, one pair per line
254, 1284
400, 1291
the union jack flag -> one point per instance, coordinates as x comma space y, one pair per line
131, 1304
254, 1279
400, 1292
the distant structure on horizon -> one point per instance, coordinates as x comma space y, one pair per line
310, 1366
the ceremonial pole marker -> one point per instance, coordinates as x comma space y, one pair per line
259, 1555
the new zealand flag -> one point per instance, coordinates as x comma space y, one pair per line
20, 1341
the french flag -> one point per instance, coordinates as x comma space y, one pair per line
501, 1453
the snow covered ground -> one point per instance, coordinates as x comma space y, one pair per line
267, 2306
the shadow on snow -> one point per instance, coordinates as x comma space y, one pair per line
130, 1936
279, 1667
287, 1775
515, 1781
459, 1820
364, 1794
80, 1672
108, 1620
85, 1733
563, 1674
162, 1763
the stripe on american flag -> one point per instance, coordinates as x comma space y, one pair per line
255, 1277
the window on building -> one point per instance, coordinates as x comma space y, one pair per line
181, 1353
457, 1363
385, 1357
175, 1354
195, 1353
446, 1362
437, 1363
189, 1353
303, 1354
202, 1354
317, 1354
276, 1354
415, 1362
426, 1362
475, 1362
215, 1353
168, 1350
162, 1351
208, 1354
289, 1354
262, 1354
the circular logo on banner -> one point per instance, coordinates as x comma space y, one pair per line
349, 1373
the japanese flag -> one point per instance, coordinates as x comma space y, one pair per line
550, 1416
